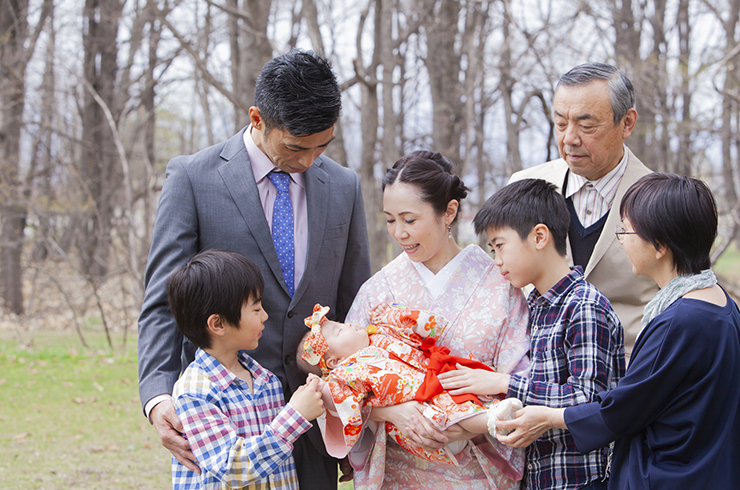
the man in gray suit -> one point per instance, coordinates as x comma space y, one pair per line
224, 198
594, 113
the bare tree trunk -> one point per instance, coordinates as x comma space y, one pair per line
443, 65
683, 161
43, 150
148, 104
730, 92
250, 49
506, 88
16, 49
366, 75
99, 163
390, 152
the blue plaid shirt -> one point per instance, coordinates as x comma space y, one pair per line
576, 350
241, 438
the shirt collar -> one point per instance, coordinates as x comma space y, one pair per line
558, 290
222, 377
606, 186
261, 163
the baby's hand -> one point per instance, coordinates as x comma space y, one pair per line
307, 400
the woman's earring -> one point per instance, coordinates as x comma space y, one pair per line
449, 231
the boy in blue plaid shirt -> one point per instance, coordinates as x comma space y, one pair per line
232, 410
577, 342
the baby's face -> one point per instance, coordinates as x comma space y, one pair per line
344, 339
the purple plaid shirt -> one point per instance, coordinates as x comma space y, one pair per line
241, 438
577, 350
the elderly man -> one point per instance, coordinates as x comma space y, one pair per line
594, 113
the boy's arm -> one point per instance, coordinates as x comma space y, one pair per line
235, 460
583, 363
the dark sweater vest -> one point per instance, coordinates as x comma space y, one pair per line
583, 240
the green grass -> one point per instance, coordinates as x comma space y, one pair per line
70, 417
728, 264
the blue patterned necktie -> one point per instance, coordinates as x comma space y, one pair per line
282, 228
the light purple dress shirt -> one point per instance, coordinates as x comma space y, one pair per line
261, 166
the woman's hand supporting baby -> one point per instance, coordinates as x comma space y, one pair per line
307, 401
409, 419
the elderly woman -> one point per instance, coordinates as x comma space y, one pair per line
487, 318
675, 416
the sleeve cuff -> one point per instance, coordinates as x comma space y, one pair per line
289, 424
518, 387
587, 427
153, 403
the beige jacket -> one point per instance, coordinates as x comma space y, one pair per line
609, 269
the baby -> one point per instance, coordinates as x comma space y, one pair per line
394, 360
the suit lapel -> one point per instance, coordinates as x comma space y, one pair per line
238, 177
608, 237
317, 201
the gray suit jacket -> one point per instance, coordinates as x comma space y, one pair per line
210, 201
609, 268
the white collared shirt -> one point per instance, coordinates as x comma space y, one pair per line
592, 199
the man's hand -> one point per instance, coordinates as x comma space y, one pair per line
409, 419
168, 425
345, 467
475, 381
529, 424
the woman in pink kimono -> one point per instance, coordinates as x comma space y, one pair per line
487, 318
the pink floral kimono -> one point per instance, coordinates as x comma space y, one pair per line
389, 372
487, 318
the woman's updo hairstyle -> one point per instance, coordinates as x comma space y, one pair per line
431, 173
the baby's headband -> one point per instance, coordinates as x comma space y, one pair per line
315, 345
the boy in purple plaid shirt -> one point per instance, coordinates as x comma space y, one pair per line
232, 410
577, 342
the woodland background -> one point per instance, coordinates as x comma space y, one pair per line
97, 95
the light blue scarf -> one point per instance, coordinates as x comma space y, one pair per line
679, 286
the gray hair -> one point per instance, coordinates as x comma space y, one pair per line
621, 92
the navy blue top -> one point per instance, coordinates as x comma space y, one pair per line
675, 415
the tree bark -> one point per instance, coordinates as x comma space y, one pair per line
16, 48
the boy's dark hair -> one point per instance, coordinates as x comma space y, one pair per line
431, 173
524, 204
298, 92
677, 212
213, 282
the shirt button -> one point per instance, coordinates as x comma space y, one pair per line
588, 212
529, 466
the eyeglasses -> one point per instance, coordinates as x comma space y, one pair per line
620, 232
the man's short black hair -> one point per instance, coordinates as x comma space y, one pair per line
213, 282
677, 212
298, 92
524, 204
